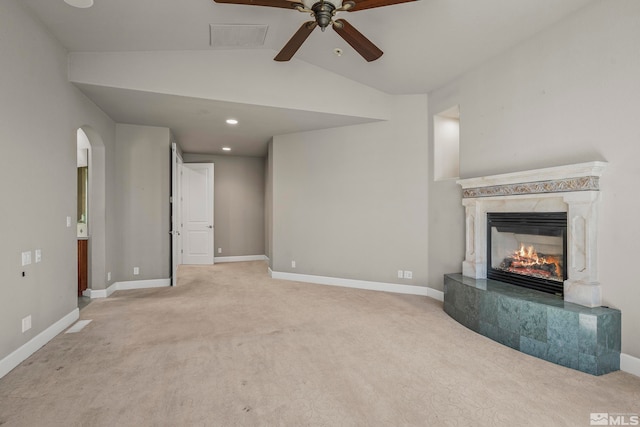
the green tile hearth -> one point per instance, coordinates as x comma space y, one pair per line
536, 323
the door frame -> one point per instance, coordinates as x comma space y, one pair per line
176, 212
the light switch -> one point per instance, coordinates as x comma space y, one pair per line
26, 258
38, 255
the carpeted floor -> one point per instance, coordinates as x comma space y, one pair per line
230, 346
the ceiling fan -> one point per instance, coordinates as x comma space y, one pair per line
323, 12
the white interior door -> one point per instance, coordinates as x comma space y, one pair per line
176, 212
197, 213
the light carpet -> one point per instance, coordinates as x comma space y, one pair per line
229, 346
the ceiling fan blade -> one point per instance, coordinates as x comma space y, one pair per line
296, 41
360, 43
370, 4
286, 4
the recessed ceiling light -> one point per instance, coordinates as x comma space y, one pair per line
226, 149
232, 122
83, 4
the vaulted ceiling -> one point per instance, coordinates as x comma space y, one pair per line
426, 43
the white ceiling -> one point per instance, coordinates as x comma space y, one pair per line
426, 43
201, 122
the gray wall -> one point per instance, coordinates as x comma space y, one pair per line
239, 201
351, 202
40, 114
268, 203
446, 241
568, 95
143, 161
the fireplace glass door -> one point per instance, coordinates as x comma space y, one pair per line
528, 249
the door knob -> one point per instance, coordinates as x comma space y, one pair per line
210, 226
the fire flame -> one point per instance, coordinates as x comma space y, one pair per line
527, 257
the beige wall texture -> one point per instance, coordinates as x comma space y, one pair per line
268, 203
351, 202
143, 162
239, 203
568, 95
41, 113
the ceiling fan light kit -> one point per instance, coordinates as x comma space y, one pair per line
323, 12
81, 4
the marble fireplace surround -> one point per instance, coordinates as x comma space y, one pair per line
578, 332
572, 188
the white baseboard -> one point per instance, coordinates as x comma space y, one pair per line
34, 344
630, 364
126, 286
360, 284
101, 293
143, 284
240, 258
435, 294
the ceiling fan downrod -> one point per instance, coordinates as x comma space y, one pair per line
324, 12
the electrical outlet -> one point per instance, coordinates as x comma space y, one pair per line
408, 274
219, 250
400, 274
293, 264
136, 271
108, 276
26, 323
68, 221
38, 255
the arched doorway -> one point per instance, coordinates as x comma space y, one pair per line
82, 207
91, 221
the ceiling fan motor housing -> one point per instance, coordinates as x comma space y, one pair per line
323, 13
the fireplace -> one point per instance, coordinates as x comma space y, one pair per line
530, 273
572, 190
528, 249
533, 231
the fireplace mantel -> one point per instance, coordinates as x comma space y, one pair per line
572, 188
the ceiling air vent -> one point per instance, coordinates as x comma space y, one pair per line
237, 35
